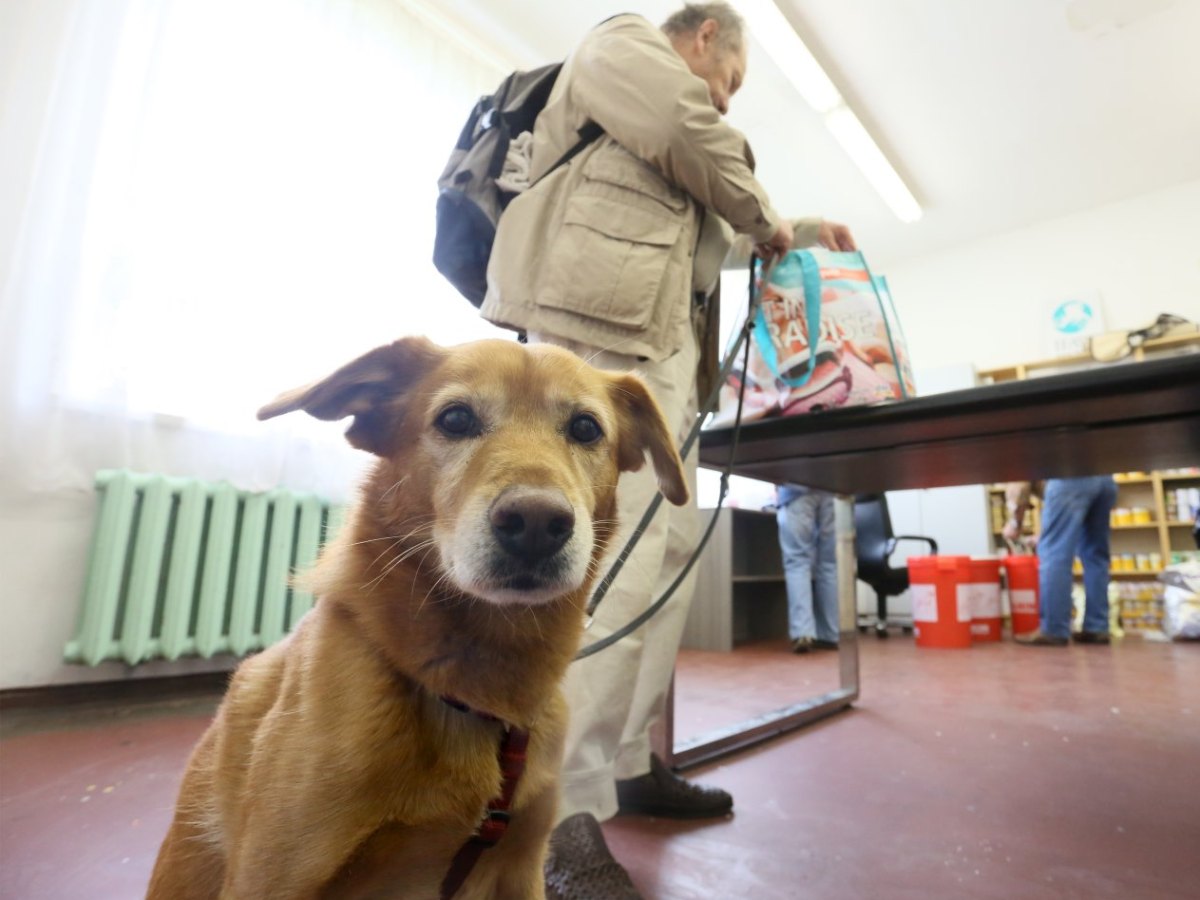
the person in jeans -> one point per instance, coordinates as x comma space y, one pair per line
1075, 522
809, 545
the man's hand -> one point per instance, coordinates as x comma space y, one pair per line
779, 244
833, 236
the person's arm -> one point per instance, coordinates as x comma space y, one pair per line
630, 81
806, 233
1017, 496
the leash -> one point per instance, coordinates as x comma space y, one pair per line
511, 754
742, 343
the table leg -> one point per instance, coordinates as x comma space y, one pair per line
705, 747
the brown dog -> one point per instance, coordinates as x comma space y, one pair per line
335, 767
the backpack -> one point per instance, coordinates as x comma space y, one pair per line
469, 201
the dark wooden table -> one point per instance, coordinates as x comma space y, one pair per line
1121, 417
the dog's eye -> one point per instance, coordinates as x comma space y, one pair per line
585, 429
458, 421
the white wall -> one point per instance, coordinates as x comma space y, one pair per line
974, 304
981, 302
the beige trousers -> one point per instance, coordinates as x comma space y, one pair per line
617, 695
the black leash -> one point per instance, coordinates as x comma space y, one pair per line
742, 343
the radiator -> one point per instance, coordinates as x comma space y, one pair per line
180, 567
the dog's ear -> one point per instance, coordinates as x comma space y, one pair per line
367, 389
643, 429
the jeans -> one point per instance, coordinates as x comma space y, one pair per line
1075, 520
809, 545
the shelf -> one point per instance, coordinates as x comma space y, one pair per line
1134, 525
1193, 476
1180, 523
1137, 479
1133, 573
757, 579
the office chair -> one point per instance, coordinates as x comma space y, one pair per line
874, 544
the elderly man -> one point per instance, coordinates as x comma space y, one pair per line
616, 257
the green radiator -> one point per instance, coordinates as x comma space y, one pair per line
180, 567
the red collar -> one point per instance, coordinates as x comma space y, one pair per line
511, 755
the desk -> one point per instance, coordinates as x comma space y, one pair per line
1117, 418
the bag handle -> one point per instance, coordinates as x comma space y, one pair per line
810, 274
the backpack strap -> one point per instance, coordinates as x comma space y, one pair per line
588, 132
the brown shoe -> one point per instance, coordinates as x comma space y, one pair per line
1039, 638
802, 645
1090, 637
660, 792
580, 866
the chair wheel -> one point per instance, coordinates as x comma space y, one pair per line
862, 629
881, 631
908, 629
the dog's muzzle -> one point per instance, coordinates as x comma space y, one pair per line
531, 525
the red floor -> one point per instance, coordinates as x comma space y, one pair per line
1001, 772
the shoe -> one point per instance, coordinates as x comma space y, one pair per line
1039, 638
819, 644
802, 644
660, 792
1090, 637
579, 865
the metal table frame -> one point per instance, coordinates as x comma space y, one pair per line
1112, 419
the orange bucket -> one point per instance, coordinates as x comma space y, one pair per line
986, 615
1023, 592
941, 600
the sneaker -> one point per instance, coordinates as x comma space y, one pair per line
660, 792
1039, 638
579, 865
1090, 637
819, 644
802, 644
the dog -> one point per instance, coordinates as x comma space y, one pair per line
358, 756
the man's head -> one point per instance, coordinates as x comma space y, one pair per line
710, 38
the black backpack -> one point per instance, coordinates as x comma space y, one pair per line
469, 200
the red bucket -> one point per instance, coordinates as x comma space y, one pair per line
987, 619
1023, 592
941, 600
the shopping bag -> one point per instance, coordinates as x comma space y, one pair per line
858, 356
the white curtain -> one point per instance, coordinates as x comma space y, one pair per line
203, 203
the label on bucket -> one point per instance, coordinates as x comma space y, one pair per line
1024, 601
924, 602
962, 599
985, 601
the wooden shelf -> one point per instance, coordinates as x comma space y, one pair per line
757, 579
1183, 336
1192, 476
1137, 479
1134, 525
1180, 523
1133, 573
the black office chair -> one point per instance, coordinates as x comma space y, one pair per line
874, 544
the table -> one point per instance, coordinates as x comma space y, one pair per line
1120, 417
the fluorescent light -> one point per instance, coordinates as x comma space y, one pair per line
859, 146
779, 39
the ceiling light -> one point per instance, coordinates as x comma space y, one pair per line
779, 39
859, 146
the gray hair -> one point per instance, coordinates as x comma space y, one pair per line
730, 26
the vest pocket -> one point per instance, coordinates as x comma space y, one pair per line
609, 261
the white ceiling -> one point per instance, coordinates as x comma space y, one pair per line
998, 114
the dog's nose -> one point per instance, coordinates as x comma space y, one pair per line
532, 524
